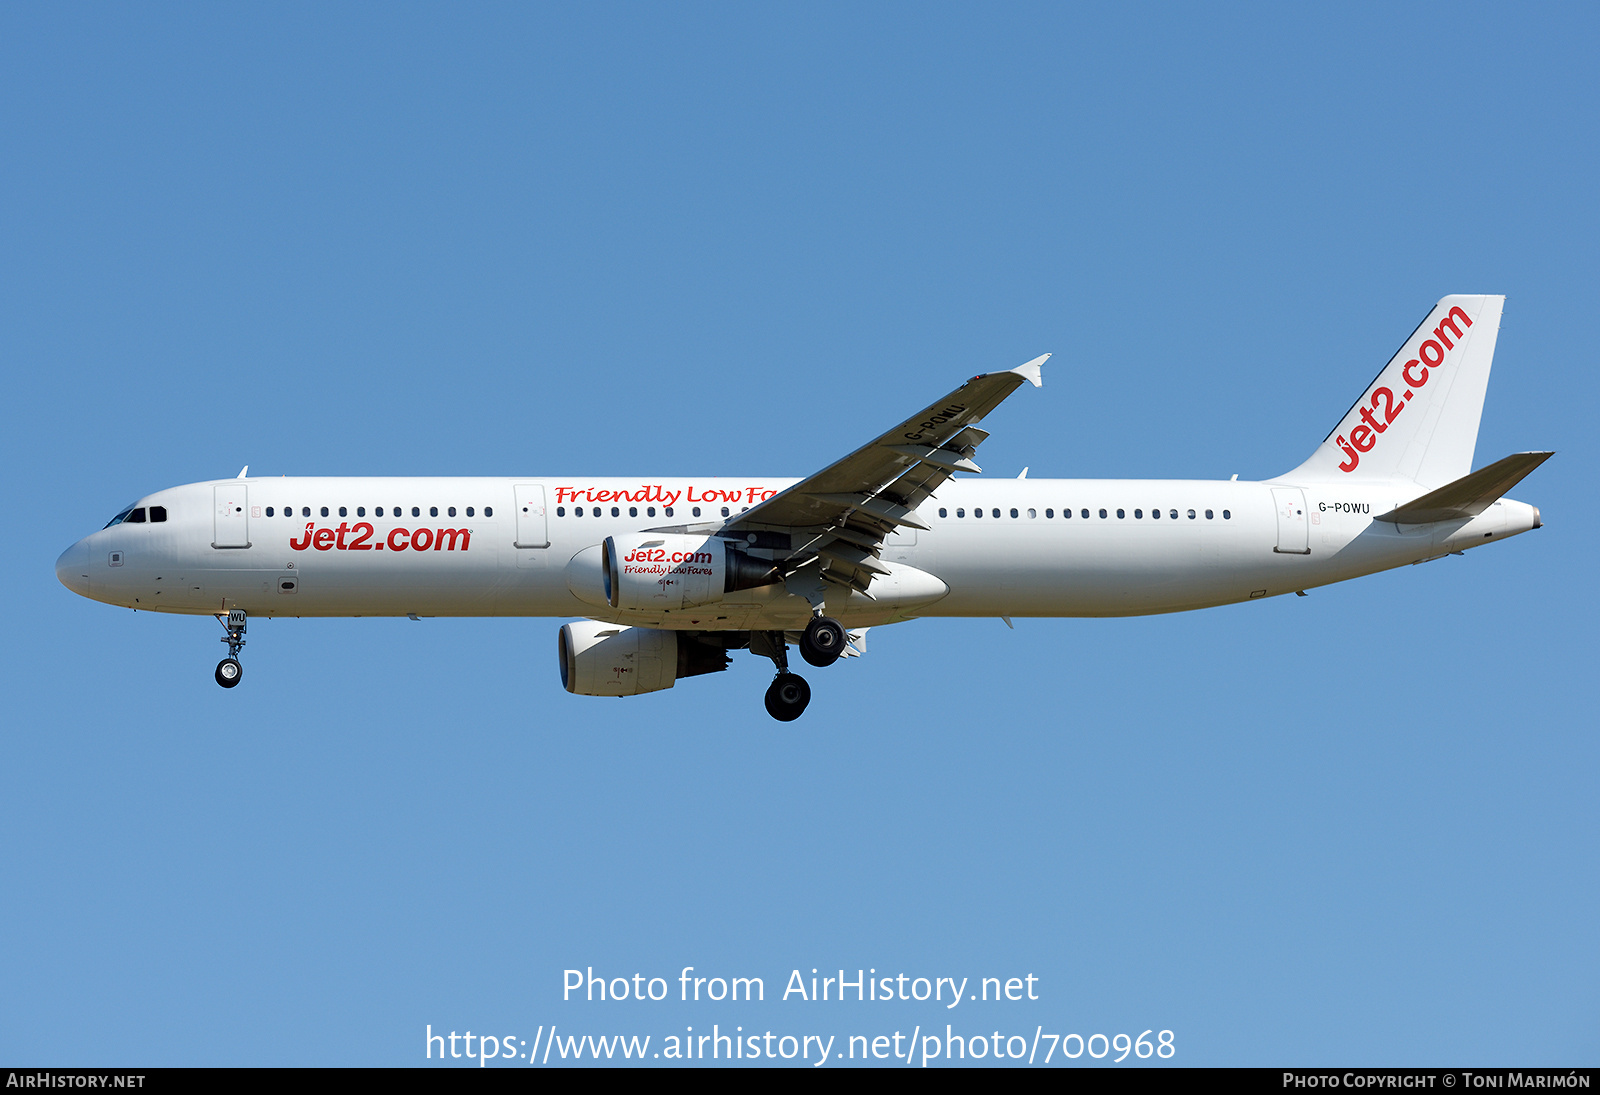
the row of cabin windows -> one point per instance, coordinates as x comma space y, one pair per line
137, 516
1155, 514
633, 511
377, 511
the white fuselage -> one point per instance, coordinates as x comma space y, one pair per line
518, 547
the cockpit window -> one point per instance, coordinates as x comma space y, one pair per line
158, 513
136, 517
120, 517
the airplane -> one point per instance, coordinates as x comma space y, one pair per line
668, 575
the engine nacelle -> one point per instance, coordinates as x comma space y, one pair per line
655, 571
600, 659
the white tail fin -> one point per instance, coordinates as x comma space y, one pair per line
1419, 419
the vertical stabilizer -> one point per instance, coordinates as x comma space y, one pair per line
1419, 419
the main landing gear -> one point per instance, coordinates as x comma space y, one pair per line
788, 693
787, 697
821, 644
229, 671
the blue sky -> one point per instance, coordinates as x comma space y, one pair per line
1357, 827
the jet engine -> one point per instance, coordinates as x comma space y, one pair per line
654, 571
600, 659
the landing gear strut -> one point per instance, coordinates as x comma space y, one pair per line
822, 642
789, 693
229, 671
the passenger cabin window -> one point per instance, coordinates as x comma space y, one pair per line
1191, 515
1226, 516
561, 511
416, 511
324, 511
451, 511
650, 511
305, 511
960, 512
1208, 515
696, 511
269, 511
997, 513
343, 512
724, 511
664, 509
977, 511
1086, 514
469, 511
1013, 513
597, 511
433, 511
1138, 513
1050, 513
943, 512
615, 512
1173, 515
488, 511
633, 511
1032, 514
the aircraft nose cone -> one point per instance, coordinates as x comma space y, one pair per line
1536, 522
72, 569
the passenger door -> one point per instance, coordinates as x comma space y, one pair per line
1294, 531
231, 516
533, 529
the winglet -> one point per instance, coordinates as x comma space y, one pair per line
244, 472
1030, 372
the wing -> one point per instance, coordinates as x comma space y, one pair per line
840, 516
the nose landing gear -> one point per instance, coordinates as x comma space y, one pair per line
229, 671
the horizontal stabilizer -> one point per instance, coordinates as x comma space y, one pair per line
1470, 495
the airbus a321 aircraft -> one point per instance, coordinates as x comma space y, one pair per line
669, 575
